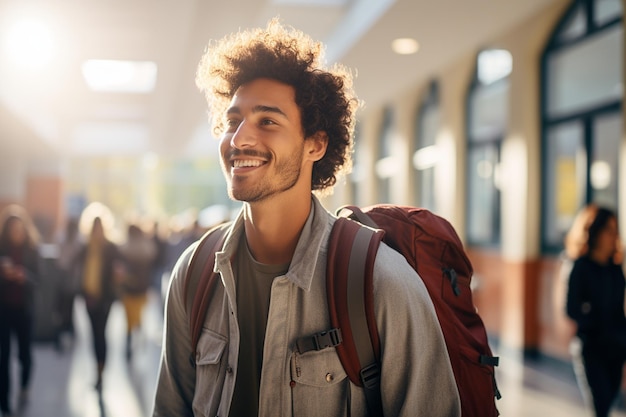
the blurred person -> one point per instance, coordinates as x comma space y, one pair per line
180, 237
70, 246
159, 237
285, 123
19, 271
139, 252
100, 263
595, 302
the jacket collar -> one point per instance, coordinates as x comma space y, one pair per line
313, 241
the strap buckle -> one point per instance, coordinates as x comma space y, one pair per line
320, 340
330, 338
370, 376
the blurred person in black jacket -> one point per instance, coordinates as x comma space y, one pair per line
69, 286
595, 301
19, 272
139, 252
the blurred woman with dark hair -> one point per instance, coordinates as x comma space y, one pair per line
595, 301
19, 271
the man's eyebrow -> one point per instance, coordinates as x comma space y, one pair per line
257, 109
233, 110
268, 109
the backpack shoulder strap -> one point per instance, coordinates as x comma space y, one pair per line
199, 282
349, 282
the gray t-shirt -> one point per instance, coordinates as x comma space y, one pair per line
254, 284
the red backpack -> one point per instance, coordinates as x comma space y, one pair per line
431, 246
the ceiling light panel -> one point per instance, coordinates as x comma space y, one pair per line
103, 75
97, 138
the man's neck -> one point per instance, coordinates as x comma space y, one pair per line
273, 228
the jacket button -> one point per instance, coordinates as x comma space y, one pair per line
229, 369
329, 377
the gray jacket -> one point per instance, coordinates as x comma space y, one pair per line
416, 376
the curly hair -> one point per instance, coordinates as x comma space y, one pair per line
323, 95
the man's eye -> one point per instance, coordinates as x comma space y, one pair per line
267, 122
232, 123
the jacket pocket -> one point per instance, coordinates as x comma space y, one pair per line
211, 347
319, 384
210, 372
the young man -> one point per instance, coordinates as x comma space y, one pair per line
286, 127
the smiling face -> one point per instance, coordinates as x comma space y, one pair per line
263, 146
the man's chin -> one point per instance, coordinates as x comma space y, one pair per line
244, 197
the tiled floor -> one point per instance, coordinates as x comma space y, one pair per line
539, 390
63, 381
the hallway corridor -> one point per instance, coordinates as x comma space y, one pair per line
63, 381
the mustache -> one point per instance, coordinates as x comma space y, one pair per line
233, 152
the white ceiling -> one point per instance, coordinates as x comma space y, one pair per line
50, 111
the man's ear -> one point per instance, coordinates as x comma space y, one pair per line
316, 145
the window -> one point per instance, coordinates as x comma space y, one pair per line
385, 165
582, 87
425, 155
357, 176
487, 108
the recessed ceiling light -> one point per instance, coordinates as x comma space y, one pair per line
405, 46
120, 76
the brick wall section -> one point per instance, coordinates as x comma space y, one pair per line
522, 303
487, 288
44, 202
507, 297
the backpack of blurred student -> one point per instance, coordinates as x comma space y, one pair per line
432, 247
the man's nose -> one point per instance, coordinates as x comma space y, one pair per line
244, 136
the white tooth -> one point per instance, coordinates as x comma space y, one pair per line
247, 163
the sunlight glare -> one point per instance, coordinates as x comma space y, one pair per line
30, 44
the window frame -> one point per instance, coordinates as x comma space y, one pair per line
384, 150
495, 142
430, 101
586, 116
